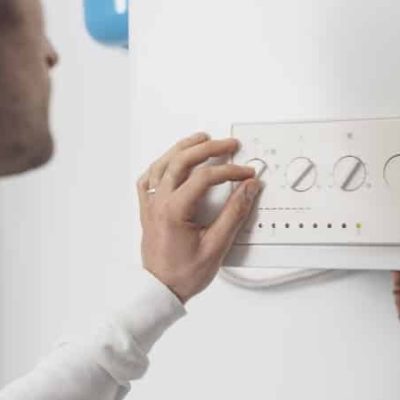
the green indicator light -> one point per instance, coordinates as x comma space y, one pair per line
359, 226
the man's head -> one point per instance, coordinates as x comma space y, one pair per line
26, 57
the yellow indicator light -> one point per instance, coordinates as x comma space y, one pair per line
359, 226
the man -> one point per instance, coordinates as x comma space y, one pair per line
180, 258
26, 57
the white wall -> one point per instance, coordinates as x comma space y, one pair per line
207, 64
66, 240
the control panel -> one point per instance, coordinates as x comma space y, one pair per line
325, 183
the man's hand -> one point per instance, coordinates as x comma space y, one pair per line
181, 254
396, 290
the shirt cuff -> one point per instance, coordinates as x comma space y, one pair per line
122, 345
151, 312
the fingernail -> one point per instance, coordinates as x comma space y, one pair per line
250, 169
201, 136
237, 143
252, 190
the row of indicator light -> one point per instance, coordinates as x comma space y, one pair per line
314, 225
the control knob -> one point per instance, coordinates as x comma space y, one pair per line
301, 174
350, 173
392, 172
259, 165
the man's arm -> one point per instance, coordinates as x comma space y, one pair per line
181, 259
102, 365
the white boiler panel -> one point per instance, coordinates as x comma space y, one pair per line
335, 183
232, 67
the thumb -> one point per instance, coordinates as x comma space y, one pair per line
222, 233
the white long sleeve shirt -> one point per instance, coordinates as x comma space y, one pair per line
102, 365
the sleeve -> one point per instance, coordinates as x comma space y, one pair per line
102, 365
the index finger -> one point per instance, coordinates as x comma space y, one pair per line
157, 169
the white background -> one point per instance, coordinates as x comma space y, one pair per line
66, 253
207, 64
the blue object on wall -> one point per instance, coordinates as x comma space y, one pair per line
107, 21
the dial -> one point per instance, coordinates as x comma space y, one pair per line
392, 172
259, 165
350, 173
301, 174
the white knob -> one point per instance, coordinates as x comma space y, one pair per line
350, 173
301, 174
392, 172
259, 165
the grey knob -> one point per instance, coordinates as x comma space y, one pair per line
392, 172
259, 165
350, 173
301, 174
